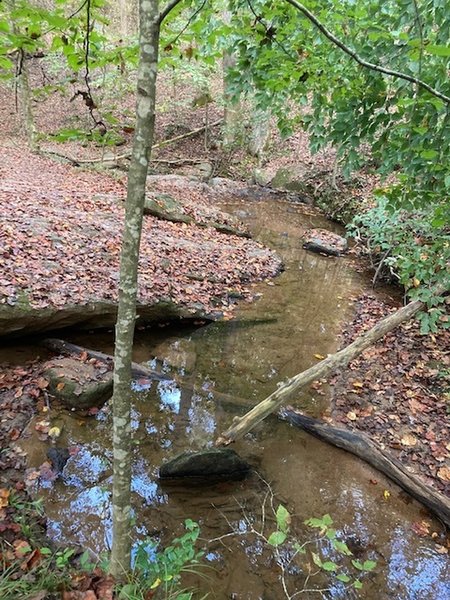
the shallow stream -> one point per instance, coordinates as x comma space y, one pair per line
298, 315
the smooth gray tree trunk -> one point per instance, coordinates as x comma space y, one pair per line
128, 286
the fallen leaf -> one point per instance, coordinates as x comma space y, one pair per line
351, 416
386, 494
319, 356
421, 528
444, 473
441, 549
4, 497
61, 385
408, 440
358, 384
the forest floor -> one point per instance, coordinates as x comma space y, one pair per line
398, 391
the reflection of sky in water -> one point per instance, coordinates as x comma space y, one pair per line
170, 395
86, 466
135, 419
201, 419
142, 483
424, 576
89, 515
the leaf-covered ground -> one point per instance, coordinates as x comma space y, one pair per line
60, 236
398, 392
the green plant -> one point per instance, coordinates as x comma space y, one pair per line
411, 247
160, 571
331, 555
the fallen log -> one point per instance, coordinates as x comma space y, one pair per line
339, 360
361, 445
137, 370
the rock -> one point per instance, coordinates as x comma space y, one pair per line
16, 320
164, 206
212, 464
58, 457
325, 242
78, 384
292, 179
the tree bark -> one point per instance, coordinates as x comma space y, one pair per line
137, 176
362, 446
333, 362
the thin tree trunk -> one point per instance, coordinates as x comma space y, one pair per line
25, 102
333, 362
137, 176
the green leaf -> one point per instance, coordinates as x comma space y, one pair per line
343, 577
429, 154
438, 50
329, 566
277, 538
342, 547
369, 565
331, 534
316, 559
358, 564
357, 584
5, 63
283, 518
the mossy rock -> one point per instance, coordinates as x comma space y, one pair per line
164, 206
78, 384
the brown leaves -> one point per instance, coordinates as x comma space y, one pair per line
396, 394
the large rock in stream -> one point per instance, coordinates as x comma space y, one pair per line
206, 465
78, 384
325, 242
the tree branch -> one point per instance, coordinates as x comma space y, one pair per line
166, 10
392, 73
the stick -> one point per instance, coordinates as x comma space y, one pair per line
362, 446
333, 362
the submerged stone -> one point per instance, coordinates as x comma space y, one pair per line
215, 463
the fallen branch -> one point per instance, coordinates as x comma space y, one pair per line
362, 446
326, 367
84, 161
67, 348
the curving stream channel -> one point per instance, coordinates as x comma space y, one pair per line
297, 315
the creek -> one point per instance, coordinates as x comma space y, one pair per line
296, 316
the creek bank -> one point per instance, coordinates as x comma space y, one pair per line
62, 228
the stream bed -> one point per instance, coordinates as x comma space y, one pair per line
297, 315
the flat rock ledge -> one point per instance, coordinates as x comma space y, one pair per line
17, 320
